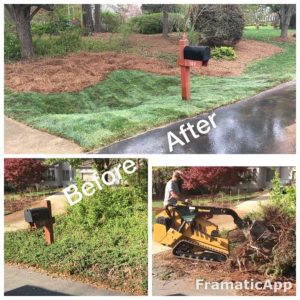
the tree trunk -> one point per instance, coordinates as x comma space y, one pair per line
165, 20
22, 19
87, 19
97, 17
286, 12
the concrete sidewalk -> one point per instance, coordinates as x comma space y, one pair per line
23, 282
22, 139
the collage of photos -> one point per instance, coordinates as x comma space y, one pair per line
109, 112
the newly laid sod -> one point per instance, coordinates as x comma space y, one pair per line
130, 102
102, 240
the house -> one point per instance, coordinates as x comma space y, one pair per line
59, 175
62, 174
262, 177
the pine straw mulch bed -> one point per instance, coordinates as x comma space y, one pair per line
74, 72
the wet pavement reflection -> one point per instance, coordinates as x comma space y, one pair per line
263, 124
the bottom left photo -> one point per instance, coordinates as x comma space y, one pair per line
75, 227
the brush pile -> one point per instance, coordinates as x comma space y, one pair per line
269, 246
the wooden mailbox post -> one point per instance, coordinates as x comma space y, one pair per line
190, 56
41, 217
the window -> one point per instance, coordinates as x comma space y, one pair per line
66, 175
49, 175
270, 174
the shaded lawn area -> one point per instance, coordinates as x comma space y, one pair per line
101, 244
130, 102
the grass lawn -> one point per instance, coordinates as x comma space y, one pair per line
97, 243
130, 102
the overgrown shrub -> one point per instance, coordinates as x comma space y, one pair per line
110, 22
193, 37
226, 53
101, 240
220, 25
152, 23
11, 45
53, 27
283, 197
147, 24
66, 41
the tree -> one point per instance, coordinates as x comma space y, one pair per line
255, 14
165, 20
157, 8
286, 11
22, 15
87, 19
213, 178
219, 25
97, 17
23, 172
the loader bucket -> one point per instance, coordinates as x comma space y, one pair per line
260, 236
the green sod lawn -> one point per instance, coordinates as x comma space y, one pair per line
130, 102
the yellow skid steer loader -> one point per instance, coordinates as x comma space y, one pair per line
188, 231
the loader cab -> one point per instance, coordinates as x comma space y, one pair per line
187, 213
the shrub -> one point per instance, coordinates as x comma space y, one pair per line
110, 22
53, 27
66, 41
147, 24
11, 46
220, 25
283, 198
152, 23
226, 53
193, 37
102, 239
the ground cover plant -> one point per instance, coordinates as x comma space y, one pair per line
128, 102
101, 240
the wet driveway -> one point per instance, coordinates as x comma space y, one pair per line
265, 123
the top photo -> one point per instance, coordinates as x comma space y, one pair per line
150, 78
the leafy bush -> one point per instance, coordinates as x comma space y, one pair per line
147, 24
53, 27
110, 22
220, 25
193, 37
152, 23
226, 53
66, 41
283, 198
11, 46
102, 239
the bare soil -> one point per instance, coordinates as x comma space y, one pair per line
20, 204
167, 268
151, 53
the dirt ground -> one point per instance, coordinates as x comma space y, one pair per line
167, 269
77, 71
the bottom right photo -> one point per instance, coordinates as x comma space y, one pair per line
223, 231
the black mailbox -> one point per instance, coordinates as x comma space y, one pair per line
37, 215
200, 53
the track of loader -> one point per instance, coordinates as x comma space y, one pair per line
186, 249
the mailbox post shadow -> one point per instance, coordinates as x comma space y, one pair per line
31, 290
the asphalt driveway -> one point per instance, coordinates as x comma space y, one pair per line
262, 124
